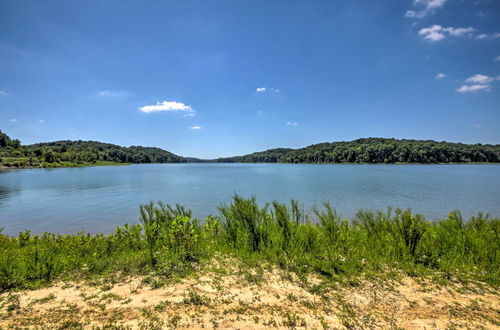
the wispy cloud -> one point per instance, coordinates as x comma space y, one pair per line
426, 8
195, 127
477, 82
104, 93
13, 120
265, 89
291, 123
481, 79
437, 32
42, 121
3, 93
497, 59
440, 76
486, 36
168, 106
433, 33
458, 32
473, 88
108, 93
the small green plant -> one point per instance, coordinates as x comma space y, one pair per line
170, 244
44, 300
292, 320
194, 298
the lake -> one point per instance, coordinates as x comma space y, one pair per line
96, 199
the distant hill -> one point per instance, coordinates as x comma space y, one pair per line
377, 150
78, 153
268, 156
366, 150
198, 160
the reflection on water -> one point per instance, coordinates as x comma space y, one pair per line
5, 191
96, 199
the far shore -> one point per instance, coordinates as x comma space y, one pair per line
6, 168
3, 167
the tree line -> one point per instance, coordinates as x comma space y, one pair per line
78, 152
366, 150
377, 150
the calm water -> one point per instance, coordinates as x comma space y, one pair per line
96, 199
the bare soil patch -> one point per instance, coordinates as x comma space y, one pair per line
223, 296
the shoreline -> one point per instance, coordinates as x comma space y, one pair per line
257, 267
5, 168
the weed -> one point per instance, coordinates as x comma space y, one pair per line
194, 298
170, 244
44, 299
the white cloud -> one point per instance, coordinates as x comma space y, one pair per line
433, 33
437, 32
487, 36
42, 121
195, 127
166, 106
473, 88
107, 93
457, 32
265, 89
481, 79
497, 59
291, 123
428, 8
189, 114
411, 13
477, 82
3, 93
13, 120
477, 125
440, 76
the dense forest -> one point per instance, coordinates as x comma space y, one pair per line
377, 150
367, 150
77, 153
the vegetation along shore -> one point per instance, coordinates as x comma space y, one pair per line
258, 267
360, 151
77, 153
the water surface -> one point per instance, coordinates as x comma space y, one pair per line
96, 199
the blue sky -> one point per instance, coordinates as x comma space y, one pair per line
219, 78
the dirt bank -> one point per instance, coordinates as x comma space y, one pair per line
252, 299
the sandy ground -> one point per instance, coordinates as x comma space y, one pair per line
218, 298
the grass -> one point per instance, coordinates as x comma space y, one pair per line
169, 244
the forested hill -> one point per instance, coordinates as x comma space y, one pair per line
377, 150
75, 153
92, 150
368, 150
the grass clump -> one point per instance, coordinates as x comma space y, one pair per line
170, 243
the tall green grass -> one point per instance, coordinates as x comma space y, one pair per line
170, 242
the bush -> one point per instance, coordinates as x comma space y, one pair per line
169, 242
